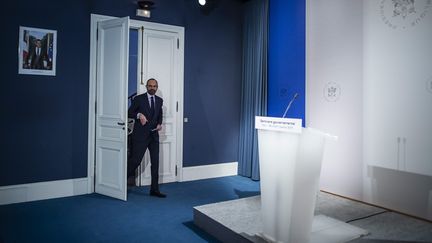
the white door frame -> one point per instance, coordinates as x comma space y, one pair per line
135, 24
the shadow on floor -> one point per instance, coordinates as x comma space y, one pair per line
243, 194
201, 233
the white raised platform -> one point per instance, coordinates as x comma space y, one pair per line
240, 221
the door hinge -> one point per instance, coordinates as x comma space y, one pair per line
176, 170
95, 107
97, 34
177, 106
178, 43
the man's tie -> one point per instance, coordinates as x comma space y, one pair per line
152, 109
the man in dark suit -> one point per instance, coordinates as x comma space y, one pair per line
146, 109
37, 56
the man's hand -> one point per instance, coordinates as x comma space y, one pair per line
142, 119
159, 127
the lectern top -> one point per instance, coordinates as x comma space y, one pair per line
278, 124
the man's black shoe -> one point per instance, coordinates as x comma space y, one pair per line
131, 181
157, 194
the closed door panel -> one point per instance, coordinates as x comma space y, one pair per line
160, 61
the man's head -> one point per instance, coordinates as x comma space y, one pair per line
152, 86
38, 43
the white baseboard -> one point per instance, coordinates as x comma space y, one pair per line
43, 190
209, 171
74, 187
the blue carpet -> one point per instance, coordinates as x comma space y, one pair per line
97, 218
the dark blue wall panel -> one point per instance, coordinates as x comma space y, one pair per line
212, 83
287, 58
45, 118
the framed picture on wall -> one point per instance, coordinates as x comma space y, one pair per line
37, 50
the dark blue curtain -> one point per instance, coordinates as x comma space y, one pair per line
254, 84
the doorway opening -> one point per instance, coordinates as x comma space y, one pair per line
155, 51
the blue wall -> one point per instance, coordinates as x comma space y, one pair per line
286, 58
45, 118
213, 54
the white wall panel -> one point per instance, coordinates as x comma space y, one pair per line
369, 81
334, 90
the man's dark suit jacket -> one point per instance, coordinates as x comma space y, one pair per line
140, 104
37, 61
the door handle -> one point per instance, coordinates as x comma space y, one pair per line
121, 123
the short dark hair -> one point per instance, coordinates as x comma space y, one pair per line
152, 79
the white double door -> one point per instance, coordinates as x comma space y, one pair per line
161, 57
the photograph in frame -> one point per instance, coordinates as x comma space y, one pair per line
37, 50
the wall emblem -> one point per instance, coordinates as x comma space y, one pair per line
402, 14
283, 92
332, 91
403, 8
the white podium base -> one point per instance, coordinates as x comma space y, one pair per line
329, 230
290, 165
240, 221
